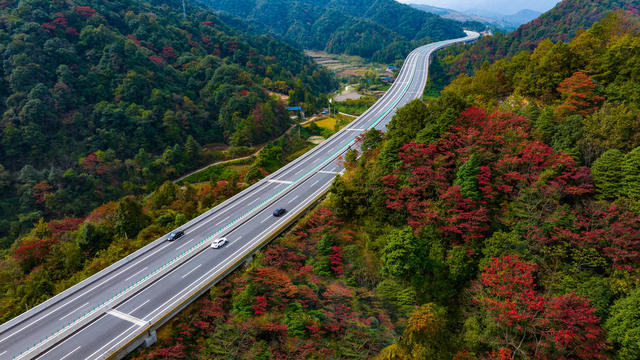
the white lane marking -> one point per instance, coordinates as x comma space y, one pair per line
139, 306
82, 294
328, 172
71, 352
61, 343
185, 244
74, 310
129, 278
231, 259
265, 220
294, 199
107, 344
314, 184
254, 201
356, 129
281, 181
116, 346
192, 270
127, 317
225, 219
4, 352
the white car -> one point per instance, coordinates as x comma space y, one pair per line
217, 243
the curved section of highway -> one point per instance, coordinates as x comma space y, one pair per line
112, 312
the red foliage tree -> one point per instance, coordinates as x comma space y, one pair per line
276, 281
564, 327
260, 307
85, 11
573, 330
508, 292
32, 252
336, 261
510, 161
579, 95
41, 190
613, 231
156, 60
168, 53
65, 225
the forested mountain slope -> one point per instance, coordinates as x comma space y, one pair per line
562, 23
499, 221
381, 29
105, 98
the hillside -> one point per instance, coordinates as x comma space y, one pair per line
562, 23
382, 30
499, 221
100, 99
502, 22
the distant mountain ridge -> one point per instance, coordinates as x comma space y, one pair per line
562, 23
380, 29
505, 22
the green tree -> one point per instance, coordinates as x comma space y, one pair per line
623, 326
408, 121
425, 337
192, 151
631, 174
467, 178
5, 177
165, 195
129, 218
95, 237
372, 139
607, 174
403, 256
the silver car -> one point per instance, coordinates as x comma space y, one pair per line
219, 242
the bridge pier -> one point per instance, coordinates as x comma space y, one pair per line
150, 339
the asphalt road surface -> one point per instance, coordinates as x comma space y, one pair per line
99, 316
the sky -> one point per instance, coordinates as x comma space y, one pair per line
506, 7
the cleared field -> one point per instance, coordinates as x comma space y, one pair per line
328, 123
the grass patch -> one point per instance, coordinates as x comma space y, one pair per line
298, 153
328, 123
355, 107
220, 171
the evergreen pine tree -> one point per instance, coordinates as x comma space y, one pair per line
607, 174
467, 178
631, 174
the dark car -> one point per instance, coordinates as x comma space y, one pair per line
175, 234
279, 212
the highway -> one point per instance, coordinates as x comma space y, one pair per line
110, 313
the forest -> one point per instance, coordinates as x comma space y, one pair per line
498, 221
102, 99
382, 30
562, 23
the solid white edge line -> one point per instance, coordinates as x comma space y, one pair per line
107, 344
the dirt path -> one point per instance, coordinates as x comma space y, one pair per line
315, 118
218, 163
